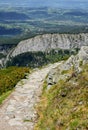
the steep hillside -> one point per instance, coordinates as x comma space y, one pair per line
64, 103
18, 111
44, 49
4, 50
47, 42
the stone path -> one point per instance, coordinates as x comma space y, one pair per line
18, 111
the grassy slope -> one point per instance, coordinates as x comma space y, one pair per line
9, 78
65, 105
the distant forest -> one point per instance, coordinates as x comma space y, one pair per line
19, 23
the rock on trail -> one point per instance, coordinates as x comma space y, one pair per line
18, 111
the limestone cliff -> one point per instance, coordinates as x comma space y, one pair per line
4, 49
45, 43
4, 53
48, 42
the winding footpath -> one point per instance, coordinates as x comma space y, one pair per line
18, 111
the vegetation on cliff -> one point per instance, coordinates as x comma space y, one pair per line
65, 105
38, 59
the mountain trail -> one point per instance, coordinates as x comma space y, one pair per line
18, 111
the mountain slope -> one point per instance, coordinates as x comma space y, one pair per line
64, 103
64, 100
44, 49
18, 112
48, 42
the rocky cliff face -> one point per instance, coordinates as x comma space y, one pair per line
48, 42
4, 49
74, 63
45, 43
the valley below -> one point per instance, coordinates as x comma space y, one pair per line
17, 23
43, 67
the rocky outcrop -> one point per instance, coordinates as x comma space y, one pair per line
4, 51
45, 44
73, 63
2, 62
48, 42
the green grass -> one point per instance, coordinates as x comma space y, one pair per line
65, 105
26, 120
4, 96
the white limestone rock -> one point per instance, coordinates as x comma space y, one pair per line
48, 42
74, 61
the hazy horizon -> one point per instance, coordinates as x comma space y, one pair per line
72, 4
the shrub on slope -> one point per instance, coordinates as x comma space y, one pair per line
10, 76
